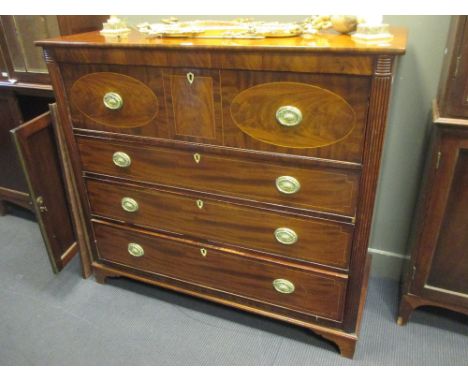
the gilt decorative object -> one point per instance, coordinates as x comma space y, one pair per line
236, 29
314, 24
369, 29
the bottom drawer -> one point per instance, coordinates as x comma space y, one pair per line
289, 287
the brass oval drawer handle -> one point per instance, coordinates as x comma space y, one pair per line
289, 116
129, 204
283, 286
113, 101
286, 236
121, 159
135, 249
287, 184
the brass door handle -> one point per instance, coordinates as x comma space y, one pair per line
287, 184
41, 204
283, 286
136, 250
289, 116
129, 204
121, 159
286, 236
112, 101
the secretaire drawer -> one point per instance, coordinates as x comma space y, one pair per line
288, 287
324, 189
302, 114
287, 235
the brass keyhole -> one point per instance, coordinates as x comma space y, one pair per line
200, 203
203, 252
196, 157
190, 77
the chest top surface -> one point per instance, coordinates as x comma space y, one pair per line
323, 42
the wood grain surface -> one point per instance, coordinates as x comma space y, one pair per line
326, 117
314, 293
223, 198
140, 104
320, 241
321, 189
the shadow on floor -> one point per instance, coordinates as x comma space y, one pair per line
254, 321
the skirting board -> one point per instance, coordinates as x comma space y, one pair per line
386, 264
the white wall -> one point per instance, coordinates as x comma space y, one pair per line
415, 86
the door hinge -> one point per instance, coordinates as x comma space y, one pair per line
439, 156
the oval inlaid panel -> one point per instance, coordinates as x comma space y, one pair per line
140, 104
326, 117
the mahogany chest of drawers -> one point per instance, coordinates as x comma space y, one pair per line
242, 172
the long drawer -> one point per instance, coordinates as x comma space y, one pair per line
287, 235
288, 287
307, 187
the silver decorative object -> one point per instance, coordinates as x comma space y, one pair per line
114, 29
372, 31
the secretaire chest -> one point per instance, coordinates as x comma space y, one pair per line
242, 172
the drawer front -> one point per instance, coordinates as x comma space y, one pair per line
313, 115
193, 102
285, 235
119, 99
300, 114
306, 187
114, 100
287, 287
181, 104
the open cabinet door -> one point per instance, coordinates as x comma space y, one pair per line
35, 143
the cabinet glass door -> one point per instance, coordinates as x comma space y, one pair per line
3, 67
20, 34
